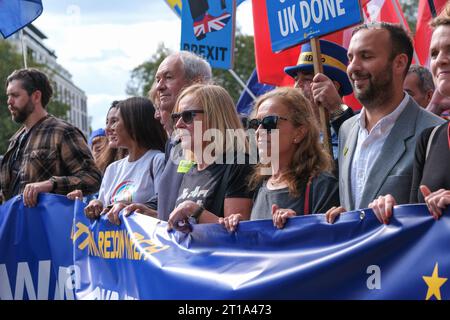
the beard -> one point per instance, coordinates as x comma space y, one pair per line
22, 114
379, 88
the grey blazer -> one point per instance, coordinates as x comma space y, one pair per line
392, 170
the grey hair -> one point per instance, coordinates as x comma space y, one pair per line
425, 77
196, 69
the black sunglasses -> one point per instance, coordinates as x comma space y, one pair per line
268, 122
187, 116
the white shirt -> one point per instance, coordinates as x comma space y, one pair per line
135, 181
368, 148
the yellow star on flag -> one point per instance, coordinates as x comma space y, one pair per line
434, 284
173, 3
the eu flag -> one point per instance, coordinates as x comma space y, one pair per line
16, 14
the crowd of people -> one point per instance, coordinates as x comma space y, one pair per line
182, 154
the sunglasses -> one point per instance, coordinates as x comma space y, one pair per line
187, 116
268, 123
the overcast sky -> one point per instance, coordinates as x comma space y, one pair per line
100, 41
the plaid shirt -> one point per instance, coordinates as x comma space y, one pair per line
54, 150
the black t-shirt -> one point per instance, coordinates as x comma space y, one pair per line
434, 172
203, 186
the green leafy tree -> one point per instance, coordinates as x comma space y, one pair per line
142, 76
410, 8
10, 61
244, 63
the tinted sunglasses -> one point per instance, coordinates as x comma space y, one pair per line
187, 116
268, 122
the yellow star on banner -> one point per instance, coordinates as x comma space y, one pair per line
434, 284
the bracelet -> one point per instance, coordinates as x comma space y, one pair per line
54, 183
339, 112
198, 212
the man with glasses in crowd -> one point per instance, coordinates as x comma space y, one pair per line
46, 154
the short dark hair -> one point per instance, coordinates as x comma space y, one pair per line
32, 80
138, 115
425, 77
400, 39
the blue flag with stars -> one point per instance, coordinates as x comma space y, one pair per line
52, 251
16, 14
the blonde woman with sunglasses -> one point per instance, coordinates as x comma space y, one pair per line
299, 181
214, 141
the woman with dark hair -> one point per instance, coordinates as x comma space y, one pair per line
134, 178
293, 177
108, 153
111, 152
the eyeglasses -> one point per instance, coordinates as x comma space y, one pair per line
268, 122
187, 116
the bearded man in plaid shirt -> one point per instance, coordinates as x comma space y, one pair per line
46, 154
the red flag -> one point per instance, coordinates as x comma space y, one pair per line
270, 65
423, 32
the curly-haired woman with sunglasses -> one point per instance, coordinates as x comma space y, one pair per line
299, 181
213, 139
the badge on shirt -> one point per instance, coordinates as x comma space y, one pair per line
185, 166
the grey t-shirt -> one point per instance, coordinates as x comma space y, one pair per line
324, 194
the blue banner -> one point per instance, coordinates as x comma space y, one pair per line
16, 14
292, 22
36, 256
208, 28
355, 258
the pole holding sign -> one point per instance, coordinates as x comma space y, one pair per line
323, 113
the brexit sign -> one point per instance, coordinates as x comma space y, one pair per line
207, 29
292, 21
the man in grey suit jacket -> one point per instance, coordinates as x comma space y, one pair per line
376, 147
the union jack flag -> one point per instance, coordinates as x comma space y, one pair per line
210, 24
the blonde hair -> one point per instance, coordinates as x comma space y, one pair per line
219, 113
310, 158
443, 19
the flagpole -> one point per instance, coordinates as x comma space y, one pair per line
24, 54
399, 16
239, 80
432, 8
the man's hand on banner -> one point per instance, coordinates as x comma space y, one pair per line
32, 190
382, 207
75, 194
436, 201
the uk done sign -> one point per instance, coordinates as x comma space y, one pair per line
295, 21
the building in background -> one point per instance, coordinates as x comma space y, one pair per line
65, 90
